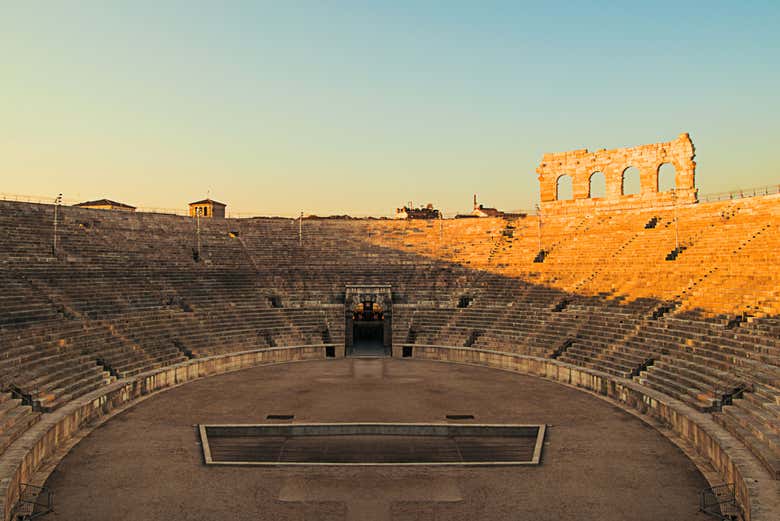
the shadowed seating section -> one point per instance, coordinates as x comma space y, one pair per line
14, 419
126, 293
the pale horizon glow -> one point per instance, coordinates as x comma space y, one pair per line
360, 107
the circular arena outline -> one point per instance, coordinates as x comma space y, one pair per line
599, 462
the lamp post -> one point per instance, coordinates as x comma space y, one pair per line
57, 203
198, 210
676, 227
539, 227
300, 230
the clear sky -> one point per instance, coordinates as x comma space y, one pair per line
358, 107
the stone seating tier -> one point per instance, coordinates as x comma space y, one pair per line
124, 293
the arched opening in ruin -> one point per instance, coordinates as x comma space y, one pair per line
666, 177
563, 188
631, 183
598, 185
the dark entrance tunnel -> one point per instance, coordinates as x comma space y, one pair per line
368, 338
368, 329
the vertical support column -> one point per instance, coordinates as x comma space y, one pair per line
613, 175
580, 184
648, 179
348, 331
387, 330
683, 154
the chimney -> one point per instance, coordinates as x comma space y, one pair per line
475, 200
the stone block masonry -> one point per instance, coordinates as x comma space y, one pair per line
580, 165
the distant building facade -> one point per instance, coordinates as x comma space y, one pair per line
106, 204
480, 210
208, 208
409, 212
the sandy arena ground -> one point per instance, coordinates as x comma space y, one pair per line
599, 463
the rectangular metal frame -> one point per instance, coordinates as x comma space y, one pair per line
410, 429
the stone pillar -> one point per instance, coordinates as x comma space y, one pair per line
648, 178
387, 330
348, 330
580, 185
614, 179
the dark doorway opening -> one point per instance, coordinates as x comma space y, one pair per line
368, 330
368, 338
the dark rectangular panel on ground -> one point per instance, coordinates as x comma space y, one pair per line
372, 444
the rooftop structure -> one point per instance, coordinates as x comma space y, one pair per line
208, 208
106, 204
423, 212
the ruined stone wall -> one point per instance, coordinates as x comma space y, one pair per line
580, 165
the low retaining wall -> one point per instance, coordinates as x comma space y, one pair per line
756, 492
23, 458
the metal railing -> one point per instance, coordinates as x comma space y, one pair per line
719, 196
33, 503
740, 194
720, 502
33, 199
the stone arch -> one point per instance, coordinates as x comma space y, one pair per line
666, 177
597, 185
631, 181
563, 188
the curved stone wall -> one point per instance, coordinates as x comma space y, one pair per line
757, 493
22, 460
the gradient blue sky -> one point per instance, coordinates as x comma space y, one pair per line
357, 107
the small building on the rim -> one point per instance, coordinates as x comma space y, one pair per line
479, 210
106, 204
208, 208
410, 212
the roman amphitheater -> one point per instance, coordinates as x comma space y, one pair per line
613, 358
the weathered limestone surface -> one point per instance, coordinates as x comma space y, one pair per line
757, 493
604, 287
581, 164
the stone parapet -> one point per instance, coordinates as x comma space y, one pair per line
757, 493
21, 461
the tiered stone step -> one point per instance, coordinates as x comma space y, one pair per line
616, 360
672, 383
15, 419
755, 421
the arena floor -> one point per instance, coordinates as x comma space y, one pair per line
598, 462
